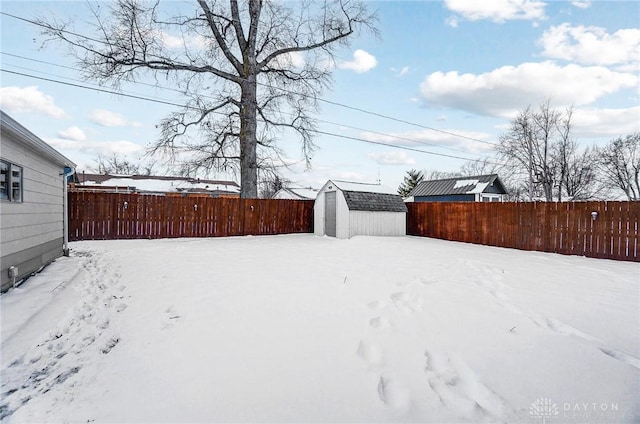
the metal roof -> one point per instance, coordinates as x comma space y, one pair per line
375, 202
459, 185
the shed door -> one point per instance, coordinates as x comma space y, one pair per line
330, 213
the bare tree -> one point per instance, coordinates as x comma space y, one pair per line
441, 175
620, 164
248, 70
119, 165
482, 166
272, 185
541, 144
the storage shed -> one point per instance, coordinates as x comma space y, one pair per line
345, 209
33, 184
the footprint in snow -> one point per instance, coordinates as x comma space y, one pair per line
460, 390
379, 322
376, 305
407, 302
370, 353
620, 356
391, 393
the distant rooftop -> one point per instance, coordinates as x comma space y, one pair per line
459, 185
302, 193
158, 183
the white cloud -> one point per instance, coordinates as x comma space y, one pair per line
362, 62
402, 71
105, 148
429, 139
177, 42
392, 158
592, 45
582, 4
350, 176
506, 90
593, 122
496, 10
452, 21
31, 100
72, 133
289, 60
107, 118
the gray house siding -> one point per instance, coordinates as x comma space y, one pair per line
447, 198
31, 231
494, 189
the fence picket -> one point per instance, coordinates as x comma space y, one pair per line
104, 216
566, 228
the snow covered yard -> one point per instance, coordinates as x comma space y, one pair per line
299, 328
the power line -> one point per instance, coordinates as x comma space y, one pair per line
338, 124
186, 106
354, 108
380, 143
102, 90
77, 70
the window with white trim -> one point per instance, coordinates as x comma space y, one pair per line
10, 181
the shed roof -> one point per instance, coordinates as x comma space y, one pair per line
374, 202
368, 197
459, 185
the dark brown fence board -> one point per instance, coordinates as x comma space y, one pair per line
565, 227
104, 216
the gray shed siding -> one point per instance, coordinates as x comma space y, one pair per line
31, 231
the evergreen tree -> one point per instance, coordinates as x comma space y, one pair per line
412, 179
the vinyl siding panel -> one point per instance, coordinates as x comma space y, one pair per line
22, 232
31, 232
367, 223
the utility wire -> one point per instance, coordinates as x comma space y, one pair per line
394, 136
354, 108
102, 90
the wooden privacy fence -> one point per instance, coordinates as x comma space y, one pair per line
567, 228
105, 216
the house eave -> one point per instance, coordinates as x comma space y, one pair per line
33, 142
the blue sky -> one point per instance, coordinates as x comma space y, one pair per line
456, 71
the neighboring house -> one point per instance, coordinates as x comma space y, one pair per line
296, 193
33, 205
481, 188
157, 185
345, 209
